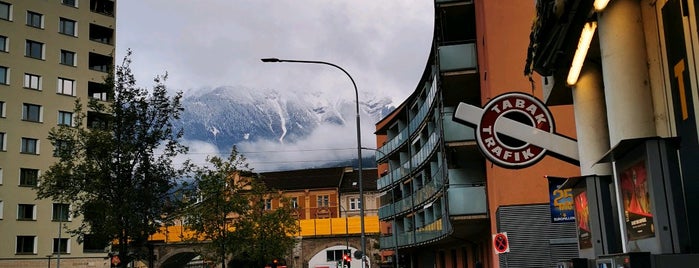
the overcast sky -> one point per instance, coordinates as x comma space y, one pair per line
209, 43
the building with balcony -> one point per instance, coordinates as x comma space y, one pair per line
442, 199
51, 53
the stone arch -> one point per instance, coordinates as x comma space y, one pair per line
177, 257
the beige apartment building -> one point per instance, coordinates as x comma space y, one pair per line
52, 52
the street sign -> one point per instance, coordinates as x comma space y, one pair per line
500, 243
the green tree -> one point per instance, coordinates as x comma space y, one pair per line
229, 212
115, 164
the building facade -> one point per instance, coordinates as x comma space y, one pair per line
443, 198
51, 53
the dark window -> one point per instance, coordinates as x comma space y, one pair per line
34, 19
98, 62
28, 177
31, 112
25, 212
92, 244
69, 2
2, 142
4, 77
25, 244
29, 146
60, 245
98, 91
66, 26
65, 118
67, 57
101, 34
62, 148
105, 7
5, 9
34, 50
3, 42
60, 212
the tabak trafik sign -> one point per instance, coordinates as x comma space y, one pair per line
516, 130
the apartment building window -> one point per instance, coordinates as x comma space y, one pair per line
5, 11
73, 3
26, 244
31, 112
34, 50
2, 109
323, 201
93, 245
2, 208
29, 146
3, 141
101, 34
65, 118
0, 176
354, 203
294, 202
105, 7
66, 26
28, 177
60, 212
3, 43
26, 212
66, 86
61, 147
32, 81
4, 75
35, 19
61, 245
67, 57
268, 204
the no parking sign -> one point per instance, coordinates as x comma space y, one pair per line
500, 243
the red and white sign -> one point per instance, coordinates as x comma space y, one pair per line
516, 130
500, 243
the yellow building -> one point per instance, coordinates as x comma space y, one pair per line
51, 53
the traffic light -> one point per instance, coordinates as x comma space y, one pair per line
346, 260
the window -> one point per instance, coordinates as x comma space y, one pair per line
28, 177
0, 176
26, 244
2, 206
4, 75
61, 147
26, 212
35, 19
66, 86
61, 245
336, 255
354, 203
73, 3
97, 91
2, 110
5, 11
67, 57
92, 244
31, 112
32, 81
60, 212
3, 141
65, 118
29, 146
294, 202
67, 26
323, 201
34, 50
3, 43
268, 204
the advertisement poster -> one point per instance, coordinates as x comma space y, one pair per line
582, 213
561, 201
637, 206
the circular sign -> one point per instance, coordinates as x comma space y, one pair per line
500, 243
506, 151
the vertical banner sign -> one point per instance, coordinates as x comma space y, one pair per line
582, 214
500, 243
637, 205
560, 200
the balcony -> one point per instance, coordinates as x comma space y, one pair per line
467, 200
459, 57
456, 131
101, 34
99, 62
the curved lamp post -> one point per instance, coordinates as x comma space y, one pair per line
359, 143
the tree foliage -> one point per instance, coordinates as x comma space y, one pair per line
230, 212
115, 164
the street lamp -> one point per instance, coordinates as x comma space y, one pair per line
359, 144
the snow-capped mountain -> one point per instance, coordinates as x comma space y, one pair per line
226, 116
